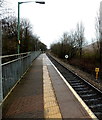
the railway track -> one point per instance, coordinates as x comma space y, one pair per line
89, 94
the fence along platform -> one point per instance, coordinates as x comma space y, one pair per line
13, 68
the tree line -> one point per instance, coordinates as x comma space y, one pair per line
70, 44
82, 55
29, 42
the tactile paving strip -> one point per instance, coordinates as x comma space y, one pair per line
51, 108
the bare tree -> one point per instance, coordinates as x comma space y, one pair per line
80, 37
98, 29
67, 45
97, 33
1, 3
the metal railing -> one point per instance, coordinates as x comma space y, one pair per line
13, 70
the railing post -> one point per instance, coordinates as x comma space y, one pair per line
1, 94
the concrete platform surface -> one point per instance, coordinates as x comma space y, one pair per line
42, 93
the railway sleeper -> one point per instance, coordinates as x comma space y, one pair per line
93, 99
79, 86
99, 114
74, 81
80, 89
85, 91
97, 106
89, 103
78, 83
89, 95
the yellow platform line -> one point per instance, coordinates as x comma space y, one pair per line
51, 108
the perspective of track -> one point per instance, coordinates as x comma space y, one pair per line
89, 94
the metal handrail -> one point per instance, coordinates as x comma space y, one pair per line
13, 70
14, 55
13, 60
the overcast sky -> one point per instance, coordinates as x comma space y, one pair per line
51, 20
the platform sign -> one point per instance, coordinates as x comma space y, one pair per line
66, 56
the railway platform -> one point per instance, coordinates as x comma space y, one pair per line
44, 93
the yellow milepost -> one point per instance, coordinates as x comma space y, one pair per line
96, 70
51, 108
96, 75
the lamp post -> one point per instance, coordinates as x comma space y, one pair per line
18, 38
1, 90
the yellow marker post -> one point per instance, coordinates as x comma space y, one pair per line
96, 70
